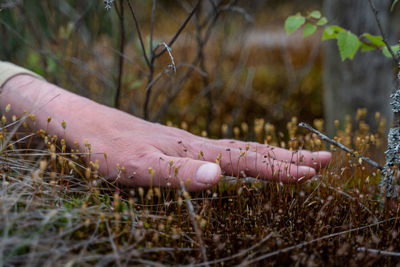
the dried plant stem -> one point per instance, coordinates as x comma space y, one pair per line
155, 55
205, 79
206, 37
339, 145
146, 58
351, 198
195, 224
121, 53
114, 247
181, 28
262, 257
240, 254
379, 252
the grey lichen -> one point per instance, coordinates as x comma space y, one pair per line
392, 162
391, 167
395, 101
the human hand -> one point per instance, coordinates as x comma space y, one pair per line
149, 153
153, 154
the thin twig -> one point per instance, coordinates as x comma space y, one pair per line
379, 252
339, 145
172, 65
378, 21
175, 91
181, 28
205, 79
154, 56
287, 249
153, 15
121, 52
239, 254
195, 224
114, 247
353, 199
139, 33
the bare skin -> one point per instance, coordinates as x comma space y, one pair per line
136, 145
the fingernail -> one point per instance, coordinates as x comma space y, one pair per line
206, 173
321, 154
306, 171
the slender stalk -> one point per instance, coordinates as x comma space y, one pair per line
206, 82
195, 224
379, 252
153, 15
154, 56
181, 28
139, 33
121, 54
268, 255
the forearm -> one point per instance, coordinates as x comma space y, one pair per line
29, 94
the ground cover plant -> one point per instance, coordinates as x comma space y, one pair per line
57, 209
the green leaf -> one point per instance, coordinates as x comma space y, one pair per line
375, 40
395, 48
365, 47
393, 5
315, 14
309, 29
348, 44
331, 32
322, 21
292, 23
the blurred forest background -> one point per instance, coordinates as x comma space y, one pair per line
236, 70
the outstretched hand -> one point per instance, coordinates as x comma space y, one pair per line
160, 155
152, 154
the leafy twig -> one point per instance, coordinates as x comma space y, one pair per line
378, 21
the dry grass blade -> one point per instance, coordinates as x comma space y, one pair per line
268, 255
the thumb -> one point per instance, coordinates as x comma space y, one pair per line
195, 174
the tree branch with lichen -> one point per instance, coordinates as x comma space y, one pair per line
341, 146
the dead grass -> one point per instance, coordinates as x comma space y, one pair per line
52, 213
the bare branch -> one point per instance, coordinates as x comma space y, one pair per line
153, 15
339, 145
379, 252
312, 241
121, 52
378, 21
175, 37
139, 33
